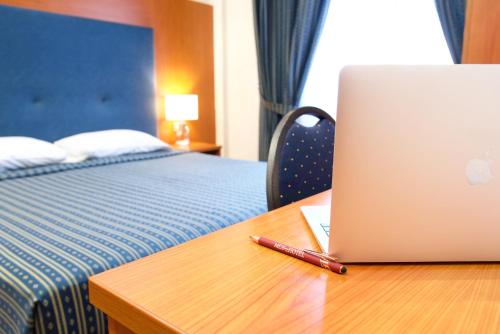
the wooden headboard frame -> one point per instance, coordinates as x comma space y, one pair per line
183, 46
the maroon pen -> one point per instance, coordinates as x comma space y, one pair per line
300, 254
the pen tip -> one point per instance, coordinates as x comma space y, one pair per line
254, 238
343, 270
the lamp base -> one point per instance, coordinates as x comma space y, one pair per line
181, 130
184, 142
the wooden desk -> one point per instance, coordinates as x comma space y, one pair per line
225, 283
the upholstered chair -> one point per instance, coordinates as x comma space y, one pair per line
300, 158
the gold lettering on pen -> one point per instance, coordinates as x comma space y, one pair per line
324, 263
289, 250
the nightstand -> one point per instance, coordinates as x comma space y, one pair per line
194, 146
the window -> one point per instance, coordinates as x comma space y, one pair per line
367, 32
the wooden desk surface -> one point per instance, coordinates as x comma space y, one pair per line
223, 282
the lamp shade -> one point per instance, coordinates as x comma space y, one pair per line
182, 107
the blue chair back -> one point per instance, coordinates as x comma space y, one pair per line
300, 160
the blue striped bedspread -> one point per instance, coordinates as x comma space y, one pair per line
61, 224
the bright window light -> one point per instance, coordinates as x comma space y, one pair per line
367, 32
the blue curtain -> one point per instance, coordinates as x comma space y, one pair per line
287, 32
452, 16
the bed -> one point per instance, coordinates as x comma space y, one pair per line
61, 223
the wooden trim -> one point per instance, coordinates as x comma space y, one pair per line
185, 62
133, 12
467, 32
482, 32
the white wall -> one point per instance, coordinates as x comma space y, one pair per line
241, 84
236, 79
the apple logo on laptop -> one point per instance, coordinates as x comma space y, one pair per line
478, 171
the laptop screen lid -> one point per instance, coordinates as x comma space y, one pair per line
416, 170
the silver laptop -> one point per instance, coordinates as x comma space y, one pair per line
416, 170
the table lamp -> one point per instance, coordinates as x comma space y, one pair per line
179, 109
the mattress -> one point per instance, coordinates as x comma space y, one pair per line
61, 224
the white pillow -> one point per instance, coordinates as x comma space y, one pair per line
22, 152
108, 143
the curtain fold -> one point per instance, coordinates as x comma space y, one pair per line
452, 16
287, 32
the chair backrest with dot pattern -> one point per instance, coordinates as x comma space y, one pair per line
300, 158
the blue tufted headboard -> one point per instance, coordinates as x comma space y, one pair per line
61, 75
